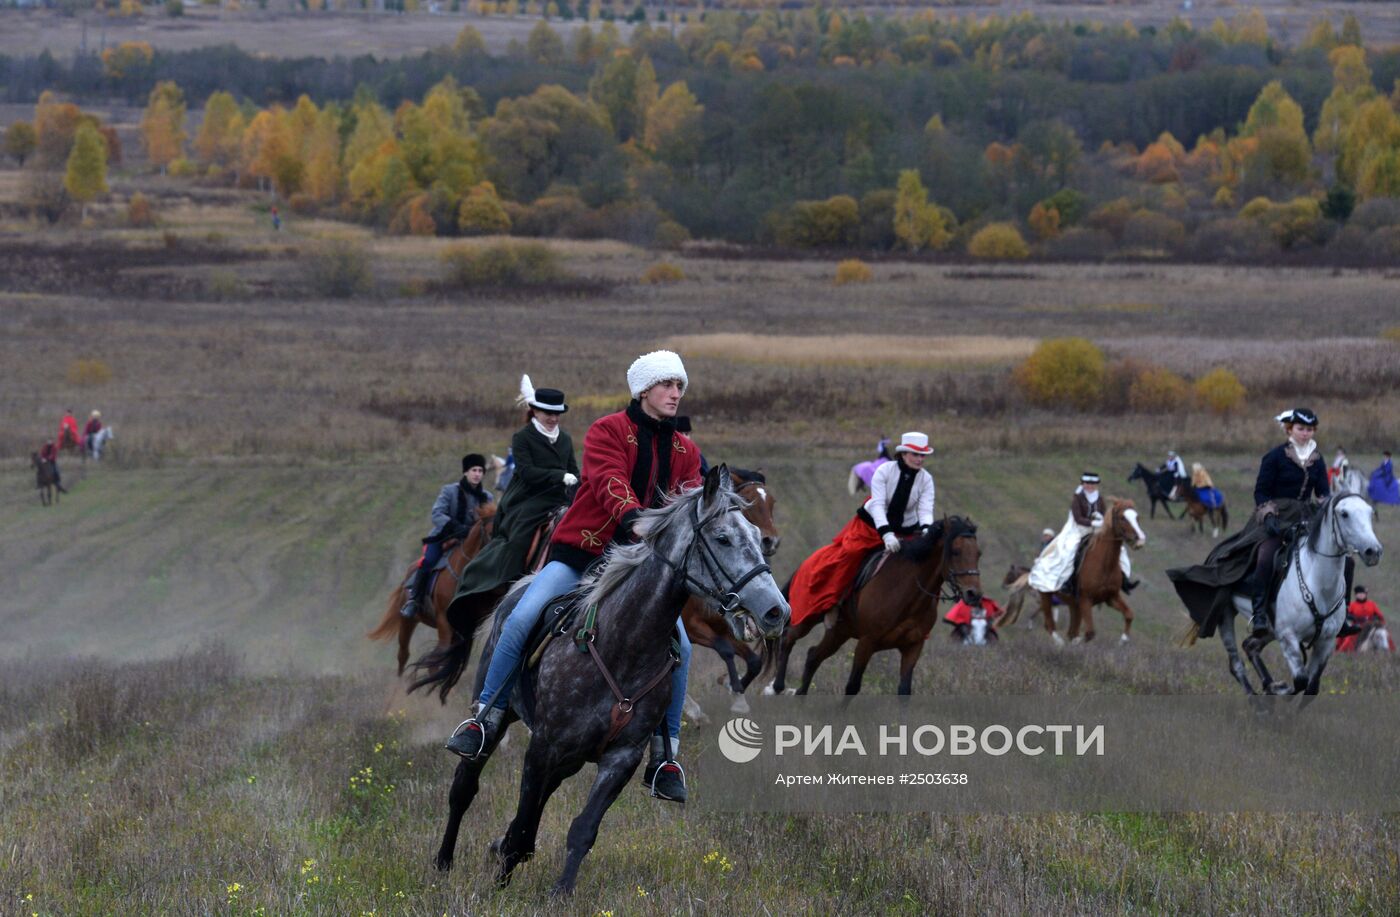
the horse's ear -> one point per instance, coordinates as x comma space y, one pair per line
715, 480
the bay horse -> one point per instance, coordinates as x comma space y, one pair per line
441, 590
896, 609
1098, 579
1159, 488
1219, 516
44, 479
697, 543
706, 623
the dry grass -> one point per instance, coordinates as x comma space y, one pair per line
854, 349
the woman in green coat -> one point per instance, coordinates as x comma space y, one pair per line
545, 468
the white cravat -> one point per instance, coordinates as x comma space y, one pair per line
550, 435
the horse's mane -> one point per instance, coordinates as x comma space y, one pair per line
1314, 524
1110, 518
652, 526
943, 532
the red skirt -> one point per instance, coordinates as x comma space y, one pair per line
824, 578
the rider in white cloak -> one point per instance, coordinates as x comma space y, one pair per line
1055, 564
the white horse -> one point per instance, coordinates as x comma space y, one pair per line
1311, 604
97, 442
1351, 481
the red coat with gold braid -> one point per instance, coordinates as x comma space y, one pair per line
605, 495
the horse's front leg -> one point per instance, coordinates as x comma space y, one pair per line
616, 767
1322, 652
540, 778
1047, 611
1121, 604
1297, 666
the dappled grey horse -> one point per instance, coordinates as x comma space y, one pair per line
601, 698
1311, 604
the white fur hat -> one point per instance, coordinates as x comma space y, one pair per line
654, 367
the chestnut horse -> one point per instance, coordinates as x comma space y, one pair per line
441, 590
706, 624
1099, 578
897, 608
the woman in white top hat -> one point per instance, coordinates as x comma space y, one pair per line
900, 504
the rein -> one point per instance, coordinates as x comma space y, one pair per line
1319, 618
624, 705
728, 601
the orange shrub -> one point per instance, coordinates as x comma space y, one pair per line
139, 212
1000, 242
1158, 391
89, 372
1220, 391
663, 272
853, 270
1063, 372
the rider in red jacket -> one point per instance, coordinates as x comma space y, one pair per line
631, 461
68, 430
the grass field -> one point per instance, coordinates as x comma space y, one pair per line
191, 720
163, 784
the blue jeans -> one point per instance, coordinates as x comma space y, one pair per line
554, 580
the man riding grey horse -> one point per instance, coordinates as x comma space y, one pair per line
632, 460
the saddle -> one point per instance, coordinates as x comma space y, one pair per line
557, 619
448, 547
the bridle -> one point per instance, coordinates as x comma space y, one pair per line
1318, 616
727, 601
950, 590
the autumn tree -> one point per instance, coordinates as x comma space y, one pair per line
217, 140
163, 125
1283, 153
673, 126
86, 176
917, 223
20, 141
55, 127
544, 46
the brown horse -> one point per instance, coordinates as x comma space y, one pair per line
1199, 513
1099, 578
45, 480
442, 589
705, 623
897, 608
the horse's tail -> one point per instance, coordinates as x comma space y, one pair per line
445, 665
390, 625
853, 482
1189, 635
1016, 600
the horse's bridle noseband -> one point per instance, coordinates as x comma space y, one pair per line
728, 601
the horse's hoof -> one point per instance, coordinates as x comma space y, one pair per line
560, 891
791, 691
1059, 641
768, 690
1123, 639
443, 864
740, 705
1077, 641
495, 846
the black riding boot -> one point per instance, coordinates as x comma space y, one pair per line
417, 592
1129, 585
664, 776
474, 738
1259, 620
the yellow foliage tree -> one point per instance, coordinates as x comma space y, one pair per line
163, 125
1044, 222
917, 222
86, 176
127, 58
216, 142
1220, 391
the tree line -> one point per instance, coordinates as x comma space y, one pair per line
807, 129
